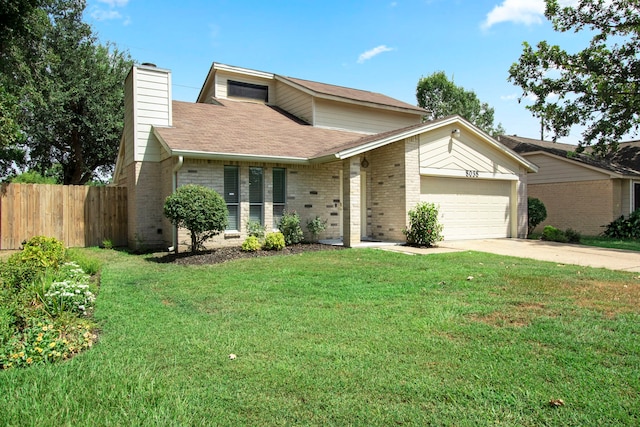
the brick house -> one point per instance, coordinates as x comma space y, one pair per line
581, 191
269, 143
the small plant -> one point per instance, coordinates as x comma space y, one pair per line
622, 228
537, 212
424, 228
274, 242
553, 234
572, 235
254, 228
316, 226
107, 244
251, 244
290, 227
200, 210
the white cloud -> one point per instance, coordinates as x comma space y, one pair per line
105, 15
393, 4
115, 3
526, 12
510, 97
373, 52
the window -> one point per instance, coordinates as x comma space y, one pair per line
256, 195
636, 197
247, 90
232, 196
279, 195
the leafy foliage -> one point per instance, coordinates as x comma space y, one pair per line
251, 244
424, 227
441, 97
622, 228
254, 228
274, 242
38, 254
33, 177
537, 212
597, 86
316, 226
290, 228
553, 234
200, 210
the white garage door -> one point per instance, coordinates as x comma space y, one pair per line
469, 208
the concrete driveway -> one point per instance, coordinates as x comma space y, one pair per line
613, 259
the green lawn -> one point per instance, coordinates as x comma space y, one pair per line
606, 242
353, 337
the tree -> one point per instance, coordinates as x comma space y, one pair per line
537, 212
441, 97
68, 87
200, 210
597, 87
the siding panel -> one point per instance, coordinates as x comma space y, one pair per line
354, 118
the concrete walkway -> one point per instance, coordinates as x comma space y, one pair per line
612, 259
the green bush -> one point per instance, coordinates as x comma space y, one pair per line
553, 234
572, 235
290, 228
37, 255
537, 212
622, 228
251, 244
424, 228
274, 242
254, 228
200, 210
316, 226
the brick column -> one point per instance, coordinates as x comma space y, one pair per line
351, 201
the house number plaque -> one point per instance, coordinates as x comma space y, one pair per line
472, 174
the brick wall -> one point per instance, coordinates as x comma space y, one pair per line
584, 206
146, 229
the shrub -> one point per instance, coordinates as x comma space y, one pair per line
537, 212
274, 242
553, 234
290, 228
254, 228
316, 226
424, 228
622, 228
200, 210
37, 255
572, 235
251, 244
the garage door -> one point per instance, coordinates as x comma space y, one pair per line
470, 208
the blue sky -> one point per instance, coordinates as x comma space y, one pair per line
381, 46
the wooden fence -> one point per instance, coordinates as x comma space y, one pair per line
80, 216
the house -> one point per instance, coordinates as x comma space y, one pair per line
584, 191
269, 143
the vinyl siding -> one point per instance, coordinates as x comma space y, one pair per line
152, 97
294, 101
439, 151
553, 170
335, 115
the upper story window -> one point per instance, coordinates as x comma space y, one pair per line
247, 90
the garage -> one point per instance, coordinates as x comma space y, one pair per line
470, 208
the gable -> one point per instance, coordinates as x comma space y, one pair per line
445, 155
553, 169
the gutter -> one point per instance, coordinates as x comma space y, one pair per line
174, 186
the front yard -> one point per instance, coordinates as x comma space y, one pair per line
349, 337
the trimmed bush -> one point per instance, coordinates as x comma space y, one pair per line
537, 212
424, 228
200, 210
553, 234
274, 242
290, 228
251, 244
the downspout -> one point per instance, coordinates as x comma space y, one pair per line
174, 186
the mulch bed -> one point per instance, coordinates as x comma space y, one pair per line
224, 254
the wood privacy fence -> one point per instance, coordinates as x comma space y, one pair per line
79, 215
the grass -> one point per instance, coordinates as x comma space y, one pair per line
354, 337
607, 242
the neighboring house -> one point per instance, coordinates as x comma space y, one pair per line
584, 192
269, 143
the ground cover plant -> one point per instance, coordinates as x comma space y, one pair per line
346, 337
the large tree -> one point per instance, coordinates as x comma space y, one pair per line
597, 87
73, 105
442, 97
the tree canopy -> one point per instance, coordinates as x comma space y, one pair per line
597, 87
442, 97
66, 87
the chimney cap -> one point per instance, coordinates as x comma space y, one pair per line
149, 64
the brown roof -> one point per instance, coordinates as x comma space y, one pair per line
625, 161
353, 94
249, 129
